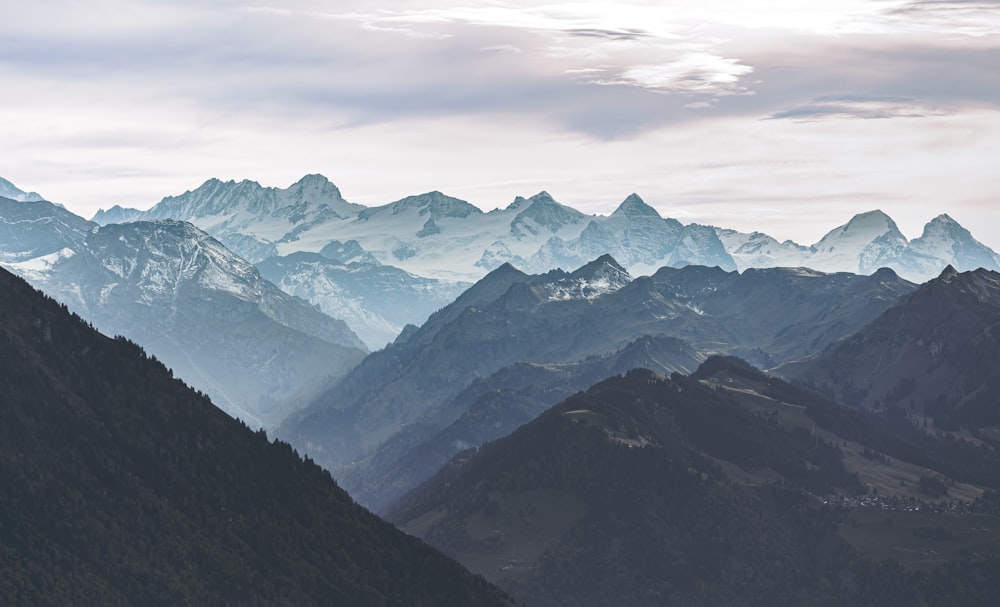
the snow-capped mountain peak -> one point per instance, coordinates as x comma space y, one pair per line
634, 206
944, 239
434, 204
599, 277
541, 213
316, 186
865, 243
437, 236
871, 221
604, 267
159, 257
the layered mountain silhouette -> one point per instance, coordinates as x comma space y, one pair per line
121, 486
493, 407
713, 489
771, 316
931, 354
208, 314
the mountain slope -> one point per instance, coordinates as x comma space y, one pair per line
933, 353
672, 491
208, 314
943, 239
375, 300
121, 486
38, 230
493, 407
10, 191
868, 241
771, 316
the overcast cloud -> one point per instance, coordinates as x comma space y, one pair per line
787, 117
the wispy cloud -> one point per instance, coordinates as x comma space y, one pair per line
859, 107
586, 94
953, 17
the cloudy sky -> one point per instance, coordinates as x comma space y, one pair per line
788, 117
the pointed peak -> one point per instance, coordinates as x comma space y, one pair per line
948, 273
601, 264
885, 274
313, 178
542, 196
634, 206
504, 269
943, 223
872, 219
316, 184
516, 204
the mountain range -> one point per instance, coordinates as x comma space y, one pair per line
579, 436
437, 236
390, 407
206, 313
121, 486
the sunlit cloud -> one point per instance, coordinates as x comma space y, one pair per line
691, 73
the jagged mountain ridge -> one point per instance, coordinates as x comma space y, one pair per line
437, 236
931, 354
771, 315
207, 313
249, 219
122, 486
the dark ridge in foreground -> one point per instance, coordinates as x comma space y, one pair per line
714, 489
119, 485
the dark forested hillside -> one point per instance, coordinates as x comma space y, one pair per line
724, 488
121, 486
933, 354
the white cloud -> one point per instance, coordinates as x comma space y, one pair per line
691, 73
125, 101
